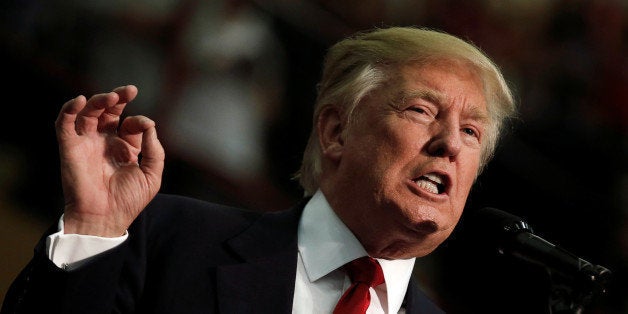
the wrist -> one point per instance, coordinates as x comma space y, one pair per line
95, 227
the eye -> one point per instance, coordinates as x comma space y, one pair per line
420, 113
470, 131
421, 110
417, 109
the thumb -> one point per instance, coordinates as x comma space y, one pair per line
153, 155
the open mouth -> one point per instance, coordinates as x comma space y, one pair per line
432, 182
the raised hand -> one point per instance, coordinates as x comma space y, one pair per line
105, 184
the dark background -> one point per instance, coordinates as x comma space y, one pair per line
253, 65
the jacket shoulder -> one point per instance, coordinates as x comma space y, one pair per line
173, 214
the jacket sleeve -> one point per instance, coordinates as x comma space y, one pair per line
109, 282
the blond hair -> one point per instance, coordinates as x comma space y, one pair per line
358, 65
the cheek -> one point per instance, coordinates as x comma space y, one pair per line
401, 144
468, 167
382, 152
380, 149
467, 170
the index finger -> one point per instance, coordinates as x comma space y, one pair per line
66, 119
87, 120
110, 118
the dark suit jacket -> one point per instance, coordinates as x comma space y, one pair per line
182, 256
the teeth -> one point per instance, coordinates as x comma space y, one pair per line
431, 182
427, 185
434, 177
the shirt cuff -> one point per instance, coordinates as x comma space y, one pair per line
69, 251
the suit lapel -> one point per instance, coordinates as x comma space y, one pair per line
417, 302
264, 280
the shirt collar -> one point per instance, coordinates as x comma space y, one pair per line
325, 244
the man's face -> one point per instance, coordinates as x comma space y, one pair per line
406, 167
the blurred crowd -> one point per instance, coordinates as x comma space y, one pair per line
231, 84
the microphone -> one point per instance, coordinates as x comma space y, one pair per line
512, 236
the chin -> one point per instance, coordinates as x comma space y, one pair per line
407, 249
405, 254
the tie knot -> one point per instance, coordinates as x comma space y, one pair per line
365, 270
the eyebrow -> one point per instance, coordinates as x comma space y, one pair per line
474, 112
479, 115
427, 94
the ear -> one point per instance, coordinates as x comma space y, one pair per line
330, 128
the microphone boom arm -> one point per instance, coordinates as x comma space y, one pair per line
575, 281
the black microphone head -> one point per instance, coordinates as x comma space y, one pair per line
494, 220
493, 227
510, 235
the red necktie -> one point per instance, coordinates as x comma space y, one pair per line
364, 272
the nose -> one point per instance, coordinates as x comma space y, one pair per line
446, 142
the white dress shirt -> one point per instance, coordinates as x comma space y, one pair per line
325, 245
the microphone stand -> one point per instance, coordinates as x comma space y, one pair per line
571, 294
575, 283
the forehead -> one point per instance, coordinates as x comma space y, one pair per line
442, 83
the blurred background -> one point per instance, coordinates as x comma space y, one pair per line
231, 84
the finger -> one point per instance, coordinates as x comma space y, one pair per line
110, 118
88, 118
140, 132
153, 155
66, 120
133, 127
127, 93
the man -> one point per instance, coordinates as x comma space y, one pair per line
404, 122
